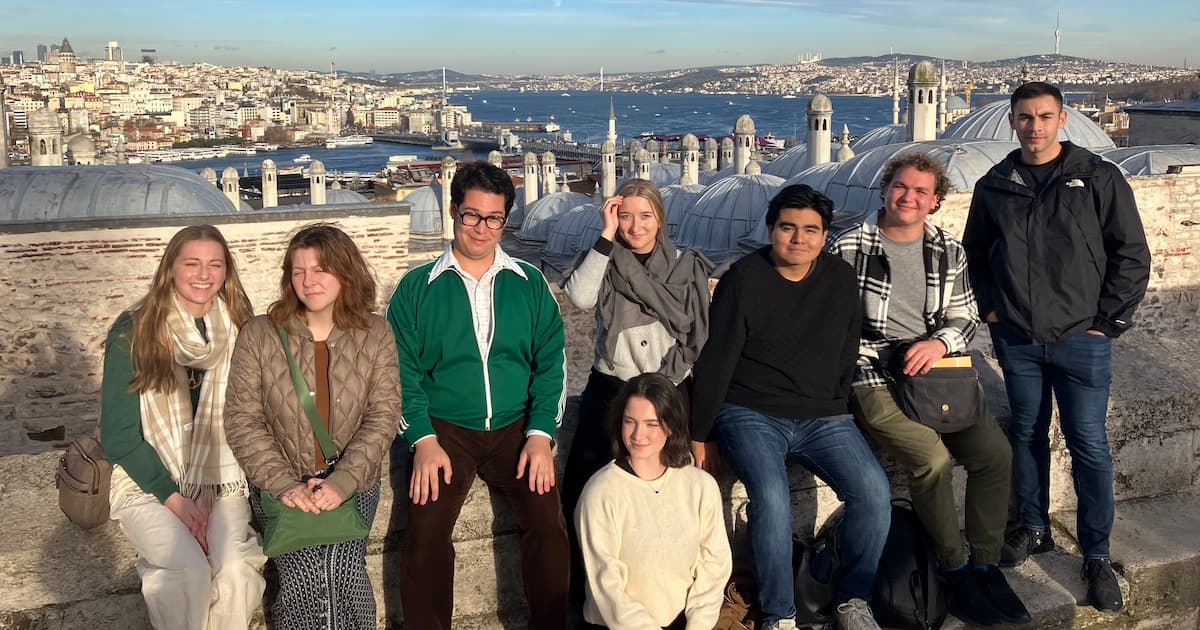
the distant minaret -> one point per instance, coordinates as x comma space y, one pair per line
820, 114
743, 137
612, 121
229, 185
726, 152
1057, 34
316, 178
689, 173
608, 168
641, 163
710, 154
652, 149
209, 175
531, 178
922, 112
942, 100
549, 162
4, 127
631, 152
449, 170
895, 93
270, 184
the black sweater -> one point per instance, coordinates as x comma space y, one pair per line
785, 349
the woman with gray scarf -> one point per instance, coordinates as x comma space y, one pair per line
651, 304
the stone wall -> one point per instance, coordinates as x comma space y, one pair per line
61, 289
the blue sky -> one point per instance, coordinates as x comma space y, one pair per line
568, 36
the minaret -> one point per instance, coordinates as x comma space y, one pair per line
229, 186
845, 153
3, 127
449, 169
820, 115
270, 184
710, 154
942, 99
895, 93
531, 179
922, 111
548, 180
689, 172
608, 168
209, 175
642, 164
612, 116
630, 154
45, 138
316, 183
743, 137
726, 152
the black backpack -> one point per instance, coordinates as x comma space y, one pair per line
815, 564
909, 593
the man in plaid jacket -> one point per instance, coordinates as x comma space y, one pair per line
912, 278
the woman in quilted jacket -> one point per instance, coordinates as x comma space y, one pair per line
177, 491
347, 357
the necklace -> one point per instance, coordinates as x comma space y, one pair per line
657, 484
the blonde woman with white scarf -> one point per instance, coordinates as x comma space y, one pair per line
177, 490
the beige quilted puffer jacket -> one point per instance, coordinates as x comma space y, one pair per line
266, 426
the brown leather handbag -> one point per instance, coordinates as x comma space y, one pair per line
83, 476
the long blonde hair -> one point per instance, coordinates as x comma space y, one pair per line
153, 363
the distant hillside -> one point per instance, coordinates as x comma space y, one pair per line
838, 62
1186, 89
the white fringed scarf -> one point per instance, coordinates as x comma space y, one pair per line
193, 446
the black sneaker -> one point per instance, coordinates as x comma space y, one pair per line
1103, 592
966, 599
1001, 596
1022, 543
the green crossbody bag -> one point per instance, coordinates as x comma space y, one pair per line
289, 529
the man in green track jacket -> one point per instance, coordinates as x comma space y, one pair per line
480, 342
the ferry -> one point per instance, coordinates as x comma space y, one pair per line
303, 159
263, 146
348, 141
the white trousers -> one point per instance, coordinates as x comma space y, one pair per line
184, 589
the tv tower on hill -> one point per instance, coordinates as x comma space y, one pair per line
1057, 34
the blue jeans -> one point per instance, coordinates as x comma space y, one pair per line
1078, 371
759, 448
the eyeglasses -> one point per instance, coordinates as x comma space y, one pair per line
471, 219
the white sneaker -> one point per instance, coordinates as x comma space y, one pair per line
855, 615
782, 624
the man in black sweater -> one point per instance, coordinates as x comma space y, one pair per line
771, 386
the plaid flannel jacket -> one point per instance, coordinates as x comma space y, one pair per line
953, 318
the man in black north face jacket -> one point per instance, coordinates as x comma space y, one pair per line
1059, 262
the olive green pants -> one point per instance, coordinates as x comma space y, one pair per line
925, 454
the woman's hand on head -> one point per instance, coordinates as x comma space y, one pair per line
608, 212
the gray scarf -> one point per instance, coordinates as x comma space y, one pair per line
671, 289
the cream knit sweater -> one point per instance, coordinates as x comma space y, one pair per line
653, 549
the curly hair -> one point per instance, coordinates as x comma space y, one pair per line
668, 406
153, 364
339, 256
922, 162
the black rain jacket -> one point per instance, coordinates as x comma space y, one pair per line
1051, 265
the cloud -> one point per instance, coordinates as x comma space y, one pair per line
226, 47
660, 51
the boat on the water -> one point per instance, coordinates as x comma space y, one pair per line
348, 141
303, 159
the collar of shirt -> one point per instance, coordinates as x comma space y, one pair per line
448, 261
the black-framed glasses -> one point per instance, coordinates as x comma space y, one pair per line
471, 219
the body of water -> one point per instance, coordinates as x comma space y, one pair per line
585, 114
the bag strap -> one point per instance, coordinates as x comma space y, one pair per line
306, 401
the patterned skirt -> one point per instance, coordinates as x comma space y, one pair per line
324, 587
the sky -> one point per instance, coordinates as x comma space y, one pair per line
569, 36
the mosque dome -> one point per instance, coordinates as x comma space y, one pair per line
663, 174
816, 177
881, 136
677, 200
792, 161
81, 144
820, 104
707, 177
64, 193
1152, 160
990, 122
575, 231
542, 214
426, 214
727, 211
923, 72
340, 196
954, 102
744, 125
